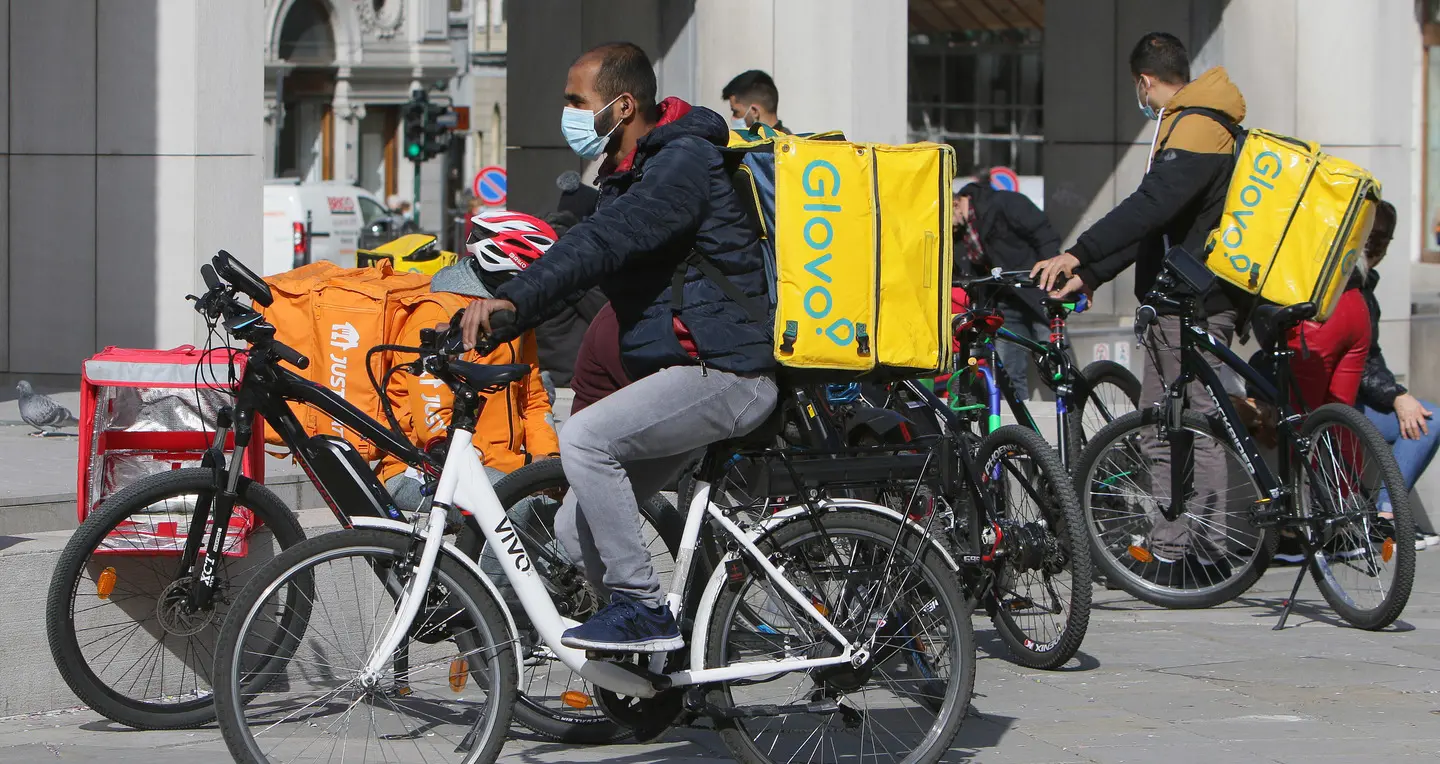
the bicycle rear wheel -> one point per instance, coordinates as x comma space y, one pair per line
445, 695
114, 614
555, 701
1207, 556
905, 704
1040, 595
1365, 563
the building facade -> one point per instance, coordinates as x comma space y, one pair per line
130, 151
336, 75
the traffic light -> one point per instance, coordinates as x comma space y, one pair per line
439, 120
415, 112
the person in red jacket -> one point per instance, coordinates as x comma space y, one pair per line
1330, 357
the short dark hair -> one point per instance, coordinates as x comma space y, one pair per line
1384, 217
754, 87
624, 68
1162, 56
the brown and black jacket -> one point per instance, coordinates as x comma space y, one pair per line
1180, 197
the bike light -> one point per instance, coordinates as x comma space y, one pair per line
459, 674
105, 584
297, 237
1141, 554
575, 699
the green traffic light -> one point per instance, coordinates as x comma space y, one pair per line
412, 150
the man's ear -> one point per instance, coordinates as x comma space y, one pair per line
627, 107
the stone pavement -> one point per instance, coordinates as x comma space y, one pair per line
1207, 686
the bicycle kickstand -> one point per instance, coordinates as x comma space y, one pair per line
1290, 603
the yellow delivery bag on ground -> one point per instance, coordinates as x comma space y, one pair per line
863, 256
1295, 222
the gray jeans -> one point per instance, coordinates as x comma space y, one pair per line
633, 443
1016, 360
1202, 530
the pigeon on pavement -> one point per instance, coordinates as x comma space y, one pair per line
41, 412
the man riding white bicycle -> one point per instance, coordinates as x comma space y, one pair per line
704, 370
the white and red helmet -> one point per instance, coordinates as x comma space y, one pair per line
508, 242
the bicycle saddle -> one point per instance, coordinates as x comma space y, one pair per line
483, 377
1270, 322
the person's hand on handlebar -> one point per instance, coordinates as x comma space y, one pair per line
476, 320
1073, 286
1047, 273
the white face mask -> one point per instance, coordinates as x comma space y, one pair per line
741, 122
578, 127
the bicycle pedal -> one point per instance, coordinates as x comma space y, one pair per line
1267, 515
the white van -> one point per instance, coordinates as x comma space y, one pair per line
341, 218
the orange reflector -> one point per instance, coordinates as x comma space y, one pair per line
820, 608
105, 584
574, 699
459, 674
1141, 554
1387, 550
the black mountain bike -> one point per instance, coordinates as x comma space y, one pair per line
1183, 510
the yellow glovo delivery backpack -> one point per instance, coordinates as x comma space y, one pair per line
1295, 220
857, 238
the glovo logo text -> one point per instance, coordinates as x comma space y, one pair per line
821, 180
1265, 168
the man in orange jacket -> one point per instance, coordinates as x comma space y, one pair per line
515, 424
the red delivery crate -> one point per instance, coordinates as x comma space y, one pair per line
148, 411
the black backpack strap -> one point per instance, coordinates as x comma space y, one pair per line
1231, 126
709, 270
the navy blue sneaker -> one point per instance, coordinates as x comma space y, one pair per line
626, 626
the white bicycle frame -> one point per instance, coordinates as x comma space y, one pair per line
464, 484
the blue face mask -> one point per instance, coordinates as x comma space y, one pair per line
1145, 107
578, 127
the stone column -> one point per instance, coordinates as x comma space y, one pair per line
345, 144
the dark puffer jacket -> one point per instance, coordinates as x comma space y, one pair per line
673, 198
1378, 388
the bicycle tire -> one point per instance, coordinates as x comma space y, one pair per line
475, 606
1134, 425
278, 521
1063, 523
942, 584
1380, 454
1096, 375
543, 720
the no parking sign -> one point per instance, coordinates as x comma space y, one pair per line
490, 186
1004, 179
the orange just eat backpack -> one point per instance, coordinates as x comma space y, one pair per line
335, 316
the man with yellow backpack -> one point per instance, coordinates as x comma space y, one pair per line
1179, 202
514, 427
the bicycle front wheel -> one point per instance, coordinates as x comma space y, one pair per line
115, 614
1114, 392
446, 694
1208, 555
905, 704
1365, 561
